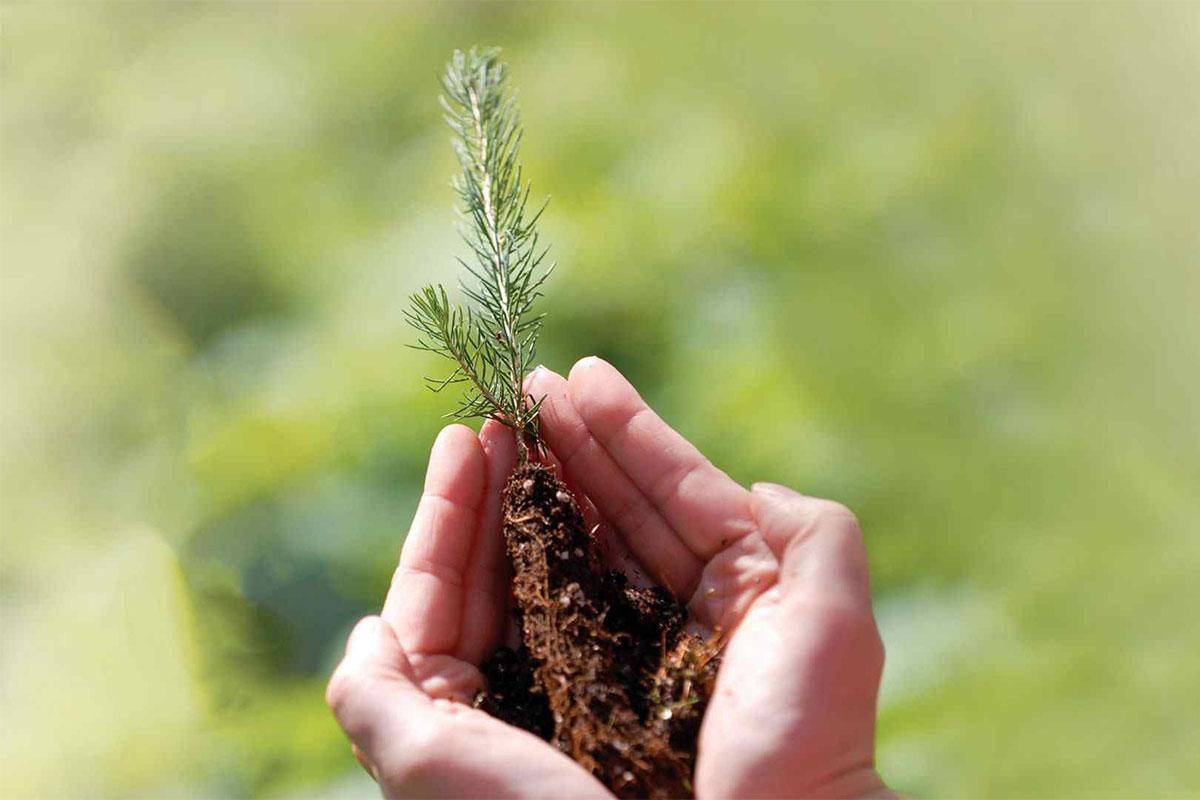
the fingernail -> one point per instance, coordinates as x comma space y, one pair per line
362, 759
772, 489
448, 430
366, 630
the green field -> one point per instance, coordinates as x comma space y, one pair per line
939, 262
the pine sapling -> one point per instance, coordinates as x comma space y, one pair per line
605, 670
493, 342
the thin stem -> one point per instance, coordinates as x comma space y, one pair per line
501, 274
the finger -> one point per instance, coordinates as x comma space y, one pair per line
818, 544
655, 544
372, 693
487, 574
428, 595
699, 501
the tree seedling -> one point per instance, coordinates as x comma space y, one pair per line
605, 670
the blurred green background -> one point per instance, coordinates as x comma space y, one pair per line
940, 262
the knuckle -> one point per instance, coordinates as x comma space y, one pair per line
879, 649
835, 514
869, 648
344, 685
855, 628
336, 691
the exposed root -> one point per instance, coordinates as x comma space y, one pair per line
606, 672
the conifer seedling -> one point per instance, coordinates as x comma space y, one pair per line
492, 342
605, 670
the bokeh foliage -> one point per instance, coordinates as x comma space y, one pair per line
937, 261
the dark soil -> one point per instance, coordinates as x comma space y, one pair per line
605, 671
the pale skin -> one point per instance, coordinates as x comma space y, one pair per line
781, 575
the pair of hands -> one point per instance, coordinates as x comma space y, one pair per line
793, 712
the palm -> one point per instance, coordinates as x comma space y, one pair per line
797, 687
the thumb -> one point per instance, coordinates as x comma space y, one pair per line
818, 543
372, 692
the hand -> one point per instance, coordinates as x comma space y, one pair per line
402, 691
784, 575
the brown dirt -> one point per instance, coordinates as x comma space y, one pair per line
605, 671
